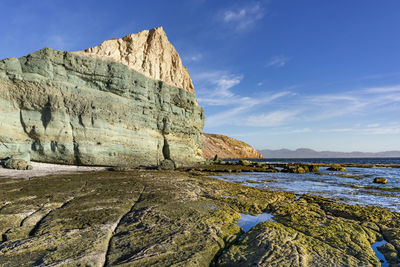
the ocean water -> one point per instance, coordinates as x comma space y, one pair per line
354, 186
333, 160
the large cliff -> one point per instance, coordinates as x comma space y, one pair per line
227, 147
70, 108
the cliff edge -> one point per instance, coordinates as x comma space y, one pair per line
227, 147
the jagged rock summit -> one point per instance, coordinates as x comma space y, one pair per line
148, 52
138, 109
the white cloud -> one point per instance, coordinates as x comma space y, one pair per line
278, 61
338, 130
391, 129
374, 129
359, 102
244, 17
286, 108
271, 119
241, 113
388, 89
304, 130
216, 86
192, 58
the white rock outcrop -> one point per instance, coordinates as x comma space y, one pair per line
148, 52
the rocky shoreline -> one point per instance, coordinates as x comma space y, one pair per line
181, 218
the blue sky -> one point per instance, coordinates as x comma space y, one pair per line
276, 74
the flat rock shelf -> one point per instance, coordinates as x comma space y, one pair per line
181, 218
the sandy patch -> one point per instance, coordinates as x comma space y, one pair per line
43, 169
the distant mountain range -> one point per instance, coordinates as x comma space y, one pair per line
309, 153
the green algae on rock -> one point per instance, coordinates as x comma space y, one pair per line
175, 218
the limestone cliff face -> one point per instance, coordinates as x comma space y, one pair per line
227, 147
66, 108
148, 52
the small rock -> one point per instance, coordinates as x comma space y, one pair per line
337, 168
380, 180
390, 253
314, 168
296, 169
216, 158
245, 162
167, 164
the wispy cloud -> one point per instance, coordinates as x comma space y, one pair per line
338, 130
215, 89
278, 61
243, 18
395, 129
271, 119
192, 58
388, 89
302, 130
222, 92
216, 86
375, 129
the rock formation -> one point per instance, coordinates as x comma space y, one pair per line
147, 52
82, 108
227, 147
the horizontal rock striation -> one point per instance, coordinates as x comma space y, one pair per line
62, 107
227, 147
148, 52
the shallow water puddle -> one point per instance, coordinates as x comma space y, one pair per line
247, 221
379, 254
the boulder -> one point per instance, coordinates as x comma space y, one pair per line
167, 164
390, 253
314, 168
17, 164
245, 162
295, 169
380, 180
337, 168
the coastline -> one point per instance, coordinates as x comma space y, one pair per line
147, 217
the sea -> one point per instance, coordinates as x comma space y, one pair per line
353, 186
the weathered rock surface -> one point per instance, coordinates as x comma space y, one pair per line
300, 168
380, 180
17, 164
172, 218
337, 168
227, 147
66, 108
148, 52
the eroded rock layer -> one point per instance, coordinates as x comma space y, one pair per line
148, 52
61, 107
227, 147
